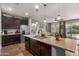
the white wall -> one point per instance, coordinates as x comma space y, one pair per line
30, 24
0, 31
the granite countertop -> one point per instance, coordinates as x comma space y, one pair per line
64, 43
10, 34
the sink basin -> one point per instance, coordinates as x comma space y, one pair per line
39, 37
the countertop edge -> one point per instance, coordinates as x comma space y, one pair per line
10, 34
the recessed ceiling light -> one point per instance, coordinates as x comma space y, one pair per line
44, 21
10, 9
36, 22
26, 14
36, 6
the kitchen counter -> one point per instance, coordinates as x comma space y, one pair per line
64, 43
10, 34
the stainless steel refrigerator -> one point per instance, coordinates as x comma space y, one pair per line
24, 30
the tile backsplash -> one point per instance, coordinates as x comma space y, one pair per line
10, 30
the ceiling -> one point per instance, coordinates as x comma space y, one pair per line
50, 12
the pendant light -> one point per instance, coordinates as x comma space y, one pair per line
45, 12
44, 20
37, 7
58, 17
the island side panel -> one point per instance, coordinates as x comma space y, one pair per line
56, 51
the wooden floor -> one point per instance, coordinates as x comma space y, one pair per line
15, 50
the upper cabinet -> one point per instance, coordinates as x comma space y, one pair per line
10, 23
24, 21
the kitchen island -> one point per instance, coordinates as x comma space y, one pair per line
49, 46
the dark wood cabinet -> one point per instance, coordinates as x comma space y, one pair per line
10, 23
5, 40
27, 43
11, 39
24, 21
45, 49
37, 48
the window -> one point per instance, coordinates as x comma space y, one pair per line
55, 28
72, 29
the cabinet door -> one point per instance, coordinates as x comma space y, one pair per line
6, 40
10, 23
12, 39
24, 21
16, 38
35, 47
45, 49
27, 43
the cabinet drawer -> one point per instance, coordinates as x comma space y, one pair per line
10, 39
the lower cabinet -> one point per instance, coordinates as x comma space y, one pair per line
27, 43
45, 49
37, 48
10, 39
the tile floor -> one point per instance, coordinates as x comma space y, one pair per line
15, 50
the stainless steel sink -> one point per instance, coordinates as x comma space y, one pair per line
39, 37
